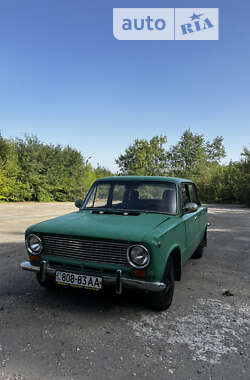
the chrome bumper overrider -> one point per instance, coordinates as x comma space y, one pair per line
118, 280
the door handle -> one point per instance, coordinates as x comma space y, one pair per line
196, 217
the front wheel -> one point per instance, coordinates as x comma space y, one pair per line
163, 299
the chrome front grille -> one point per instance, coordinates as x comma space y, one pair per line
86, 249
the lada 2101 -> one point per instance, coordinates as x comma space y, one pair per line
130, 232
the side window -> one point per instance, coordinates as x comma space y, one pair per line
193, 193
185, 198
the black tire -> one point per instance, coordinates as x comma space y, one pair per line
49, 283
162, 300
198, 253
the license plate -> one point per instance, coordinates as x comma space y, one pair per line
79, 280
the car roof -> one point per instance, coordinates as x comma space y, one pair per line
144, 178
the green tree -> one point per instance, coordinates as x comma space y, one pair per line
4, 185
52, 172
245, 184
101, 172
31, 170
34, 160
144, 157
192, 154
10, 186
227, 183
215, 150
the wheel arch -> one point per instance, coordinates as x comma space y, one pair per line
176, 255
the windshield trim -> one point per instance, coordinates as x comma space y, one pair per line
112, 183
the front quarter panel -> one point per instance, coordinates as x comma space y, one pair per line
169, 236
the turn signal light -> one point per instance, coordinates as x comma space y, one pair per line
34, 258
139, 272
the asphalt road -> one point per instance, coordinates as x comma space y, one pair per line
72, 334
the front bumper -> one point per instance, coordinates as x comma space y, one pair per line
117, 280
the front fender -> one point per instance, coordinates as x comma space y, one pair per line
162, 246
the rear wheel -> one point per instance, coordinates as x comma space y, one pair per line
198, 253
163, 299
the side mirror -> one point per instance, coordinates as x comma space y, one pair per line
79, 203
190, 207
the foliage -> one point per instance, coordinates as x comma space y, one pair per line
192, 154
194, 158
245, 170
144, 157
10, 186
33, 171
101, 172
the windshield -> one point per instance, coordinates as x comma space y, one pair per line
131, 195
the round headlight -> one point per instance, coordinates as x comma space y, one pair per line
138, 256
34, 244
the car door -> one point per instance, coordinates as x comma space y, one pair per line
198, 215
189, 221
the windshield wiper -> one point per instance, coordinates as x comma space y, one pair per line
156, 212
108, 210
115, 212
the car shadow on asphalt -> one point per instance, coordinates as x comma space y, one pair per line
23, 289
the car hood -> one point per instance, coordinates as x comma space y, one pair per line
103, 226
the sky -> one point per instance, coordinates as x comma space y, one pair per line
66, 79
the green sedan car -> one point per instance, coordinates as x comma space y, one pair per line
130, 232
